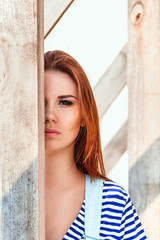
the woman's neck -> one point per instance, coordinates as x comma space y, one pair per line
61, 172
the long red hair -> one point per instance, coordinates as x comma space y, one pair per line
87, 150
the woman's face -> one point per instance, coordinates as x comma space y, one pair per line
62, 111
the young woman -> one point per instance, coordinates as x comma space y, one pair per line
73, 156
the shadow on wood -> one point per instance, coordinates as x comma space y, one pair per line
20, 208
144, 179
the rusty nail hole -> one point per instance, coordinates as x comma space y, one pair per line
138, 16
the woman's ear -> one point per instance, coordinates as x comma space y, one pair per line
83, 123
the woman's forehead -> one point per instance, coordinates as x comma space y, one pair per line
59, 83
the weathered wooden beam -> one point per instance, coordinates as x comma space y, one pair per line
115, 149
21, 135
53, 11
111, 83
144, 112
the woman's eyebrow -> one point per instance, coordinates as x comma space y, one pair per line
66, 96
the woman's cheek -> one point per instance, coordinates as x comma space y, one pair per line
76, 119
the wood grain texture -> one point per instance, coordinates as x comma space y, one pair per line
53, 11
144, 112
111, 83
19, 120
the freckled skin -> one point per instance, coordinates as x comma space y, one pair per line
60, 116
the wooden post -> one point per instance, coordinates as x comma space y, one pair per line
21, 120
144, 112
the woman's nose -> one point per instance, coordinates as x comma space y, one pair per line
51, 115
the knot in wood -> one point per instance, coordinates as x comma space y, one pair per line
137, 13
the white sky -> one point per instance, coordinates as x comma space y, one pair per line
93, 32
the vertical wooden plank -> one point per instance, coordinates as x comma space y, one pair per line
144, 112
41, 118
21, 145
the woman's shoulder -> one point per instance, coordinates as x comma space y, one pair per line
114, 194
119, 212
114, 189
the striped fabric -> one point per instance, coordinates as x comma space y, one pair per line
119, 219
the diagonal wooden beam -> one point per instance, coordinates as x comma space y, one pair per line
53, 11
116, 148
111, 83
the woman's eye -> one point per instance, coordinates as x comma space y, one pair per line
65, 102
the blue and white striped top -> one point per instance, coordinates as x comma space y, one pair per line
119, 219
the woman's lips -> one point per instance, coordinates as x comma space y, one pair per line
51, 133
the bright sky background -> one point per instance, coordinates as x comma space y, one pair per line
93, 32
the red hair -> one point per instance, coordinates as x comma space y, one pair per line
87, 150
